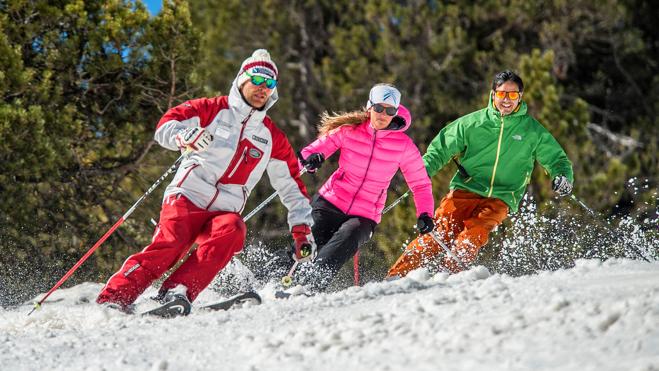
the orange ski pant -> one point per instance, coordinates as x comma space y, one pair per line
464, 221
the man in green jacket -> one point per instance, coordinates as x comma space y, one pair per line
498, 147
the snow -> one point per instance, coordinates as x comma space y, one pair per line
595, 316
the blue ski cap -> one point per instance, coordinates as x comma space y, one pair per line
383, 93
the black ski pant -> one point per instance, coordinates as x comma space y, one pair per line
337, 235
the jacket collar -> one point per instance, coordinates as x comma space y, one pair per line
400, 123
494, 113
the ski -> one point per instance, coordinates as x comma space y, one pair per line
177, 307
285, 294
236, 301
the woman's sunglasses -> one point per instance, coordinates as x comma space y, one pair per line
391, 111
511, 94
258, 80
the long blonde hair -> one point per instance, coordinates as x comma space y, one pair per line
330, 122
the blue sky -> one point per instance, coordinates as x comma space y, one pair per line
153, 5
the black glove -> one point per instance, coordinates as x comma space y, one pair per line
425, 224
562, 186
313, 162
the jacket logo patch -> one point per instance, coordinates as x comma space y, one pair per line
131, 270
517, 137
259, 139
254, 153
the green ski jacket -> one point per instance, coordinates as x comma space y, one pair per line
498, 152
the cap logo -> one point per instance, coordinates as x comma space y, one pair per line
389, 93
263, 71
272, 70
383, 93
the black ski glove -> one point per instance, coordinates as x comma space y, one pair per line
425, 224
562, 186
313, 162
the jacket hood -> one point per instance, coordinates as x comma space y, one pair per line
236, 100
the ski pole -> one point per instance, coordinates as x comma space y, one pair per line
355, 267
396, 202
607, 226
111, 230
582, 204
287, 280
266, 201
435, 236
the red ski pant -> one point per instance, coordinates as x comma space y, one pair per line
464, 221
219, 235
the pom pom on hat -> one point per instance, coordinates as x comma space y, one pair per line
258, 64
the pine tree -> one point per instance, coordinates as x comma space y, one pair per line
83, 84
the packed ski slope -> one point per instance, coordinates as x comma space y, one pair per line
595, 316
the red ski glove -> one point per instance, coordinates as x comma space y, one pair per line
305, 246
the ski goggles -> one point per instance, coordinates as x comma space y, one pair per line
513, 95
258, 80
390, 111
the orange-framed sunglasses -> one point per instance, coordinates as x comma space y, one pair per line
513, 95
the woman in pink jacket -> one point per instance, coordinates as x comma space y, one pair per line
349, 205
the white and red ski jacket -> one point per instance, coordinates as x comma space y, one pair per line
245, 144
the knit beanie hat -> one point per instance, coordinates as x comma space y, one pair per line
258, 64
383, 93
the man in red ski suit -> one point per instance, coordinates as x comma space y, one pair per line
232, 142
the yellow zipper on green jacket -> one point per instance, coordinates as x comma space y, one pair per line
496, 160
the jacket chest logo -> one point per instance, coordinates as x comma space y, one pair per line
517, 137
259, 139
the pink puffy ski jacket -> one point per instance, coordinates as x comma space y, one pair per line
369, 159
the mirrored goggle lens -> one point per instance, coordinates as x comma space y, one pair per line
269, 83
389, 110
511, 94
